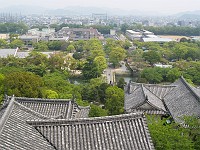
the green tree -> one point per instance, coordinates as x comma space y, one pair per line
58, 82
101, 63
23, 84
40, 46
57, 61
180, 51
96, 111
152, 56
173, 74
37, 59
2, 78
50, 94
121, 83
16, 43
151, 75
116, 55
70, 48
90, 70
3, 43
114, 100
168, 136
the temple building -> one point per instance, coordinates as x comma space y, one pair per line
43, 124
178, 99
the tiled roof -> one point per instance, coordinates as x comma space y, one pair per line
15, 133
122, 132
178, 99
55, 108
183, 100
137, 95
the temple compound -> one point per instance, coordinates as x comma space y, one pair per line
178, 99
43, 124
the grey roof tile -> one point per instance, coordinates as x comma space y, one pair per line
15, 133
137, 94
121, 132
184, 100
55, 108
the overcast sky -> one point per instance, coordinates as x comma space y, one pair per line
164, 6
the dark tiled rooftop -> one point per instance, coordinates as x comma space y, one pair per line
178, 99
122, 132
15, 133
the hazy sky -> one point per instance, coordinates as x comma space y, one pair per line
165, 6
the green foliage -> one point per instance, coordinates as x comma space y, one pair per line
90, 70
50, 94
3, 43
16, 43
19, 28
23, 84
70, 48
174, 30
116, 55
95, 90
168, 136
102, 29
101, 63
158, 75
40, 46
121, 83
2, 78
152, 56
173, 74
36, 58
151, 75
54, 45
97, 111
56, 62
114, 100
57, 82
12, 61
82, 102
77, 55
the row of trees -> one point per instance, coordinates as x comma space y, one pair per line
189, 70
164, 30
183, 56
16, 28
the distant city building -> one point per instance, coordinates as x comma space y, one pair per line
76, 34
133, 35
4, 36
156, 39
112, 32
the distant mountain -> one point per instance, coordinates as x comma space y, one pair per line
189, 15
75, 10
78, 10
23, 9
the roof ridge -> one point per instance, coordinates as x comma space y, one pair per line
140, 104
156, 97
6, 114
31, 111
164, 85
36, 113
41, 99
87, 120
189, 88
